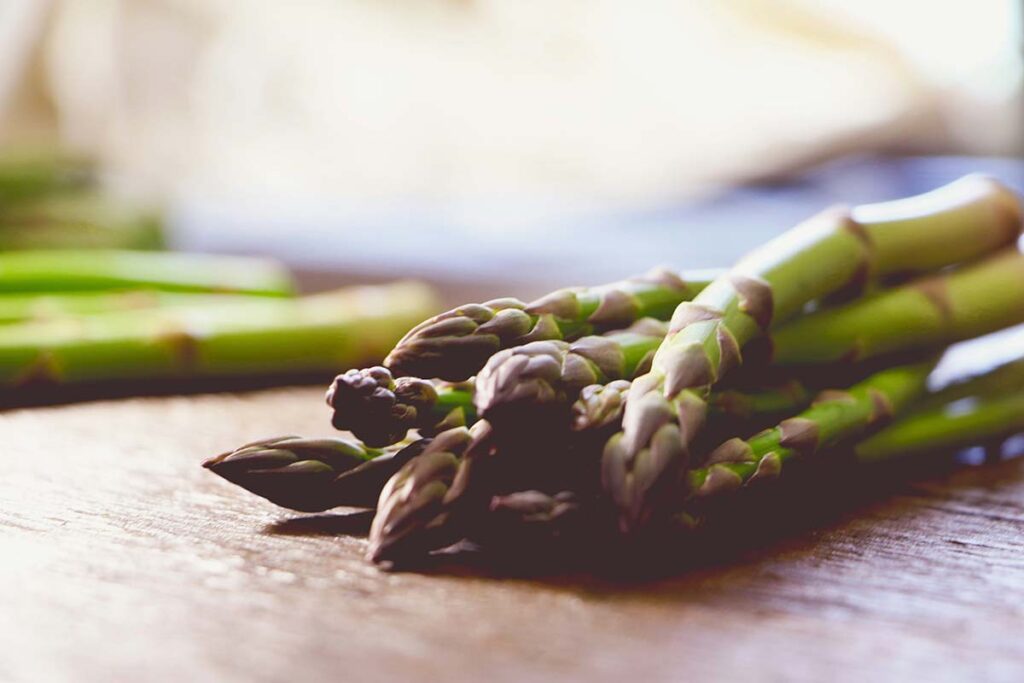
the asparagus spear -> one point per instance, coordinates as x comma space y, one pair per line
949, 307
835, 250
947, 428
381, 410
455, 345
40, 307
312, 475
837, 417
95, 269
978, 410
415, 508
264, 336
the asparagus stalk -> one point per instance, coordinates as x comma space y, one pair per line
836, 250
455, 345
312, 475
15, 308
947, 428
837, 417
968, 302
264, 336
98, 269
978, 410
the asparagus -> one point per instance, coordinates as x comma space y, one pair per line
99, 269
360, 485
265, 336
976, 411
836, 250
942, 309
310, 475
415, 507
837, 417
455, 345
939, 310
39, 307
381, 410
540, 380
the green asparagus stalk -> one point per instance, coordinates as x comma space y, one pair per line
836, 250
837, 417
99, 269
976, 411
979, 421
80, 220
966, 303
455, 345
265, 336
17, 308
312, 475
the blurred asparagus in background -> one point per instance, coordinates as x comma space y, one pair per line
252, 337
28, 307
102, 269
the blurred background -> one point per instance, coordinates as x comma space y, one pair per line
511, 144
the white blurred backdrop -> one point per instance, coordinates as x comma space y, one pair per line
457, 100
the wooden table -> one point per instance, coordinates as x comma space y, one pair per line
122, 559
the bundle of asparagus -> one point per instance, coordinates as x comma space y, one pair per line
586, 415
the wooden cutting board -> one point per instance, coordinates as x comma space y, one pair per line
122, 559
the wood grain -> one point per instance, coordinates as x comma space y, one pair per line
121, 559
